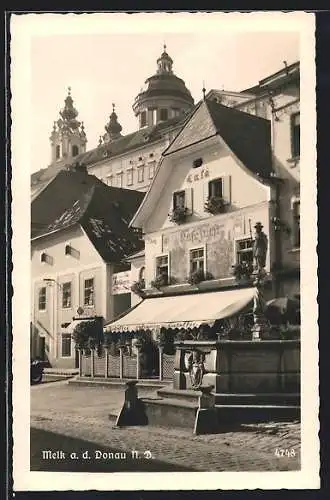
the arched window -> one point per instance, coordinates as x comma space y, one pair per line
58, 152
142, 273
75, 150
143, 119
163, 116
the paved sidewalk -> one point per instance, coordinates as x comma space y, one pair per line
82, 413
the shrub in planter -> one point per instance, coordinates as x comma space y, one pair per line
215, 205
138, 287
88, 334
243, 270
198, 276
178, 215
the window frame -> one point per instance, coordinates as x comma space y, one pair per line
129, 177
143, 119
194, 249
174, 197
163, 110
68, 337
93, 292
119, 175
151, 170
70, 296
42, 309
212, 183
140, 170
295, 136
296, 241
159, 256
238, 251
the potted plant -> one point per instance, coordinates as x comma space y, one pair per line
138, 287
178, 215
243, 270
198, 276
160, 281
215, 205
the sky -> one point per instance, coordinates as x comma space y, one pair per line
105, 68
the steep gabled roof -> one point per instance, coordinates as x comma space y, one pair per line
248, 136
102, 211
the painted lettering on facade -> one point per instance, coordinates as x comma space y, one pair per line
198, 176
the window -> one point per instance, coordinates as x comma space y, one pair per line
140, 174
66, 345
66, 295
89, 292
151, 170
295, 135
163, 114
75, 150
162, 266
42, 299
58, 152
244, 251
296, 223
110, 180
215, 188
179, 199
120, 179
143, 119
197, 260
129, 177
142, 273
43, 257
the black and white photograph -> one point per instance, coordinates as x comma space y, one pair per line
164, 270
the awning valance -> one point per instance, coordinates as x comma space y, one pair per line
183, 311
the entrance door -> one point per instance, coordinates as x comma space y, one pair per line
76, 358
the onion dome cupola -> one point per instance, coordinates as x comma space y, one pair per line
113, 127
68, 138
164, 96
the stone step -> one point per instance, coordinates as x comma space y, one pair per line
232, 399
258, 399
179, 394
61, 371
142, 385
238, 414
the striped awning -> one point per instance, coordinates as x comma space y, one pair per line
183, 311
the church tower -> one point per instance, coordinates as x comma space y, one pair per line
164, 96
68, 137
113, 128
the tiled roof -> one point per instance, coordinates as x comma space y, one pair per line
104, 212
248, 136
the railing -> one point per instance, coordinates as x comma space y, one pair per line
122, 366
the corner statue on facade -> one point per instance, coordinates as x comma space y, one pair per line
260, 246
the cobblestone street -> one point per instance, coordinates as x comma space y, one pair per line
82, 413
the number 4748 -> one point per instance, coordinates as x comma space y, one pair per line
285, 452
